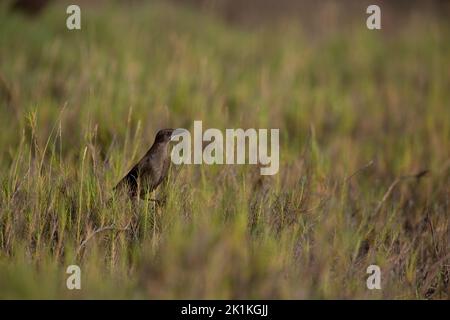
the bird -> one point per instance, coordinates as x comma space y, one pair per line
152, 169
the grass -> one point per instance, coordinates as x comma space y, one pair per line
357, 110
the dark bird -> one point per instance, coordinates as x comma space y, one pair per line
152, 169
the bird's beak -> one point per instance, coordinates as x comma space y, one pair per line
176, 133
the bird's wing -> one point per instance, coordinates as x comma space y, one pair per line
164, 171
130, 179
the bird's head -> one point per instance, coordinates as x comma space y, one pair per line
165, 135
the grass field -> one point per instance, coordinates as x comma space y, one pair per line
361, 113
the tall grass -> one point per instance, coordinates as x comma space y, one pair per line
357, 111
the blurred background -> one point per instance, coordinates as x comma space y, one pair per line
364, 118
260, 11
